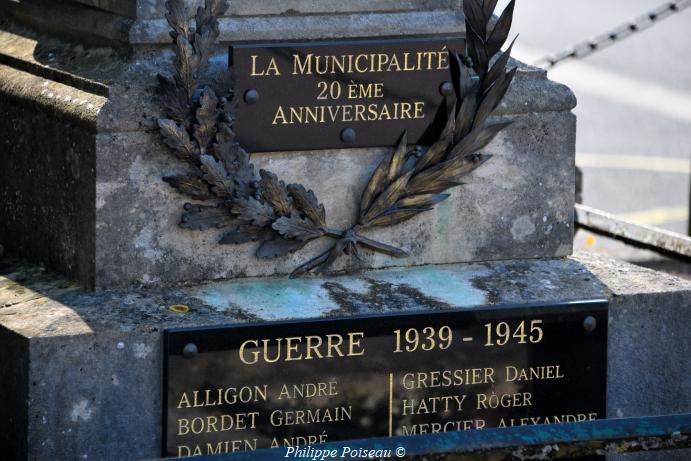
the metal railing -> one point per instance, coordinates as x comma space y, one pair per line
619, 33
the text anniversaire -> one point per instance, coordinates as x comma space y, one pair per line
341, 97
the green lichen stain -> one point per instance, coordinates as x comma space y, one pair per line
380, 296
401, 289
268, 299
508, 280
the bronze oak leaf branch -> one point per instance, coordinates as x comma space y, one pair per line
259, 207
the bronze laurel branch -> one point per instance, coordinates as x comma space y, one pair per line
284, 218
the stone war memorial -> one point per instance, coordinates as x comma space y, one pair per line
230, 227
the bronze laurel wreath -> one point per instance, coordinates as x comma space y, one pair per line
285, 217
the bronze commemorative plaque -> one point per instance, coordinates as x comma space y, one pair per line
323, 95
248, 387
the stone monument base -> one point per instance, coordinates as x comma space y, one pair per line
80, 373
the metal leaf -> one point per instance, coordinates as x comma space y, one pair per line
388, 197
499, 67
225, 134
376, 184
311, 264
205, 15
399, 157
307, 203
477, 139
212, 9
421, 201
237, 163
178, 139
396, 216
336, 251
444, 172
294, 227
435, 187
493, 97
475, 18
274, 192
202, 217
275, 248
466, 115
204, 41
191, 185
251, 210
186, 65
478, 53
224, 82
437, 151
381, 247
501, 30
178, 17
434, 154
465, 80
216, 175
488, 7
174, 101
246, 233
207, 116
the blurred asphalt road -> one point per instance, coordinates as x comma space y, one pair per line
634, 107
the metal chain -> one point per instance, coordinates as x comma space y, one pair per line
617, 34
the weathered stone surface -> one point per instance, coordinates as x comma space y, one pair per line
95, 362
517, 206
47, 187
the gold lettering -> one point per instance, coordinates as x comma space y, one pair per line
359, 69
355, 348
292, 347
443, 60
419, 108
280, 117
254, 354
254, 68
302, 67
184, 401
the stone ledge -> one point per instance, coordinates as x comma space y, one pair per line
313, 27
116, 23
65, 102
37, 303
149, 9
71, 20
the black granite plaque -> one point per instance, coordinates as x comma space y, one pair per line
340, 94
256, 386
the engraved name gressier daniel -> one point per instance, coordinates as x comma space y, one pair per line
351, 64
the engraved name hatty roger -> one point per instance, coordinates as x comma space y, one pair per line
306, 96
298, 383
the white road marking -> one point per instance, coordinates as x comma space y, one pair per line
634, 162
657, 216
616, 87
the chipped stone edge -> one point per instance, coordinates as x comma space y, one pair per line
47, 96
